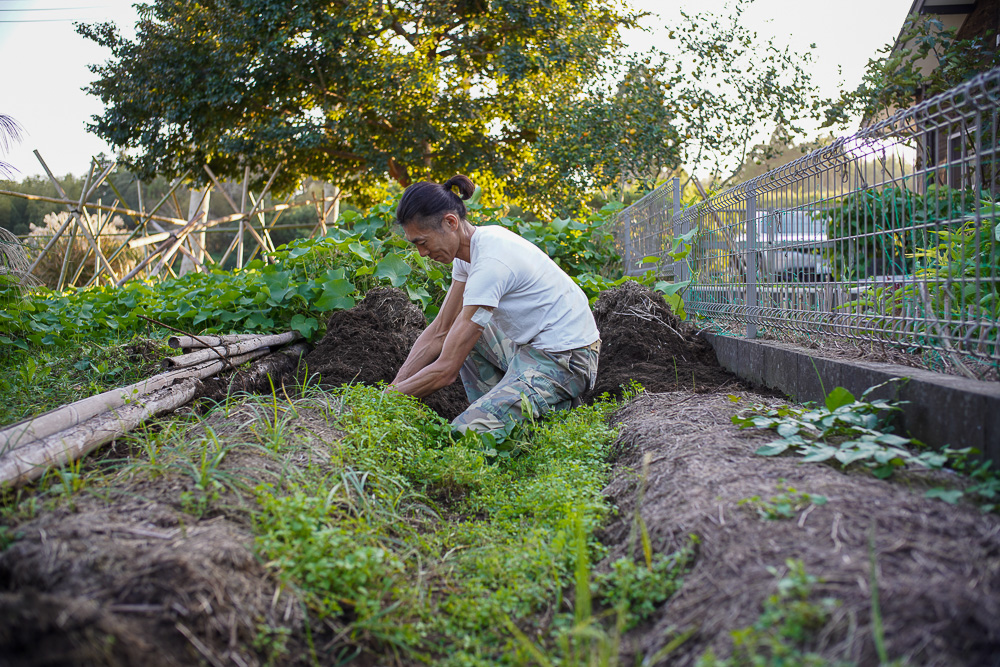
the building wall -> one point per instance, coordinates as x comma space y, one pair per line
983, 19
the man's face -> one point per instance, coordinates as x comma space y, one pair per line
441, 245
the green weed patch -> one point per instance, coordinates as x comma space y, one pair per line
423, 543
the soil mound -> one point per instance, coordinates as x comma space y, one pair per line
937, 566
136, 582
369, 342
643, 340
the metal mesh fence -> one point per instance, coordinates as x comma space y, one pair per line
644, 231
889, 236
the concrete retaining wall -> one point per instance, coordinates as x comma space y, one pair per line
940, 410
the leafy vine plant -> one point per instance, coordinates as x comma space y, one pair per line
856, 432
844, 429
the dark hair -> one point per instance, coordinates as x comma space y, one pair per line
426, 202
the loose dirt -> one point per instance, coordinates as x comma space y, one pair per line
937, 566
134, 574
643, 340
369, 342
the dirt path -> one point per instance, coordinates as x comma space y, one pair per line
938, 566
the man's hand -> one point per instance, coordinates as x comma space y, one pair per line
429, 343
461, 338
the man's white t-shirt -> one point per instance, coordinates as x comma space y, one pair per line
534, 300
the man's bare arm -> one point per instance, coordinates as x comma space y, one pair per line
428, 345
461, 338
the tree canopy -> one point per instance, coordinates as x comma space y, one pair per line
349, 90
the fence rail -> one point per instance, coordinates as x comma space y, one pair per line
889, 236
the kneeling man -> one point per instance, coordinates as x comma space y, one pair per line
512, 324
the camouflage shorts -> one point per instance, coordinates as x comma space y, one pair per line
498, 372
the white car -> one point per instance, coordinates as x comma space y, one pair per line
791, 245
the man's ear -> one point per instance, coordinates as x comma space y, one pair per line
451, 220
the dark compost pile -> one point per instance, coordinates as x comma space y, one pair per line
643, 340
369, 342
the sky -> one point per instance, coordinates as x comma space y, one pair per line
44, 63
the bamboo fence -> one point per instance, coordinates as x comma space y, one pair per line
162, 238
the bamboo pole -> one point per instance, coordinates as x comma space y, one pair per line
189, 342
144, 220
230, 349
256, 204
72, 235
179, 237
65, 262
263, 374
120, 210
144, 263
191, 256
243, 208
269, 247
215, 222
267, 228
29, 463
62, 228
51, 422
83, 228
237, 239
149, 239
86, 255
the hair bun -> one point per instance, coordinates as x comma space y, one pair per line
464, 184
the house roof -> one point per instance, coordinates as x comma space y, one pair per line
941, 7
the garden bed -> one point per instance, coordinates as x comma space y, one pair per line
167, 550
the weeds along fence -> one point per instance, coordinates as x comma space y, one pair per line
890, 236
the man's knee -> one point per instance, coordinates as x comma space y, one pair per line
478, 420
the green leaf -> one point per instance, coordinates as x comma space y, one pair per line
849, 456
559, 224
304, 325
360, 251
671, 288
676, 304
837, 398
773, 448
950, 496
336, 295
394, 268
786, 429
892, 440
819, 453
